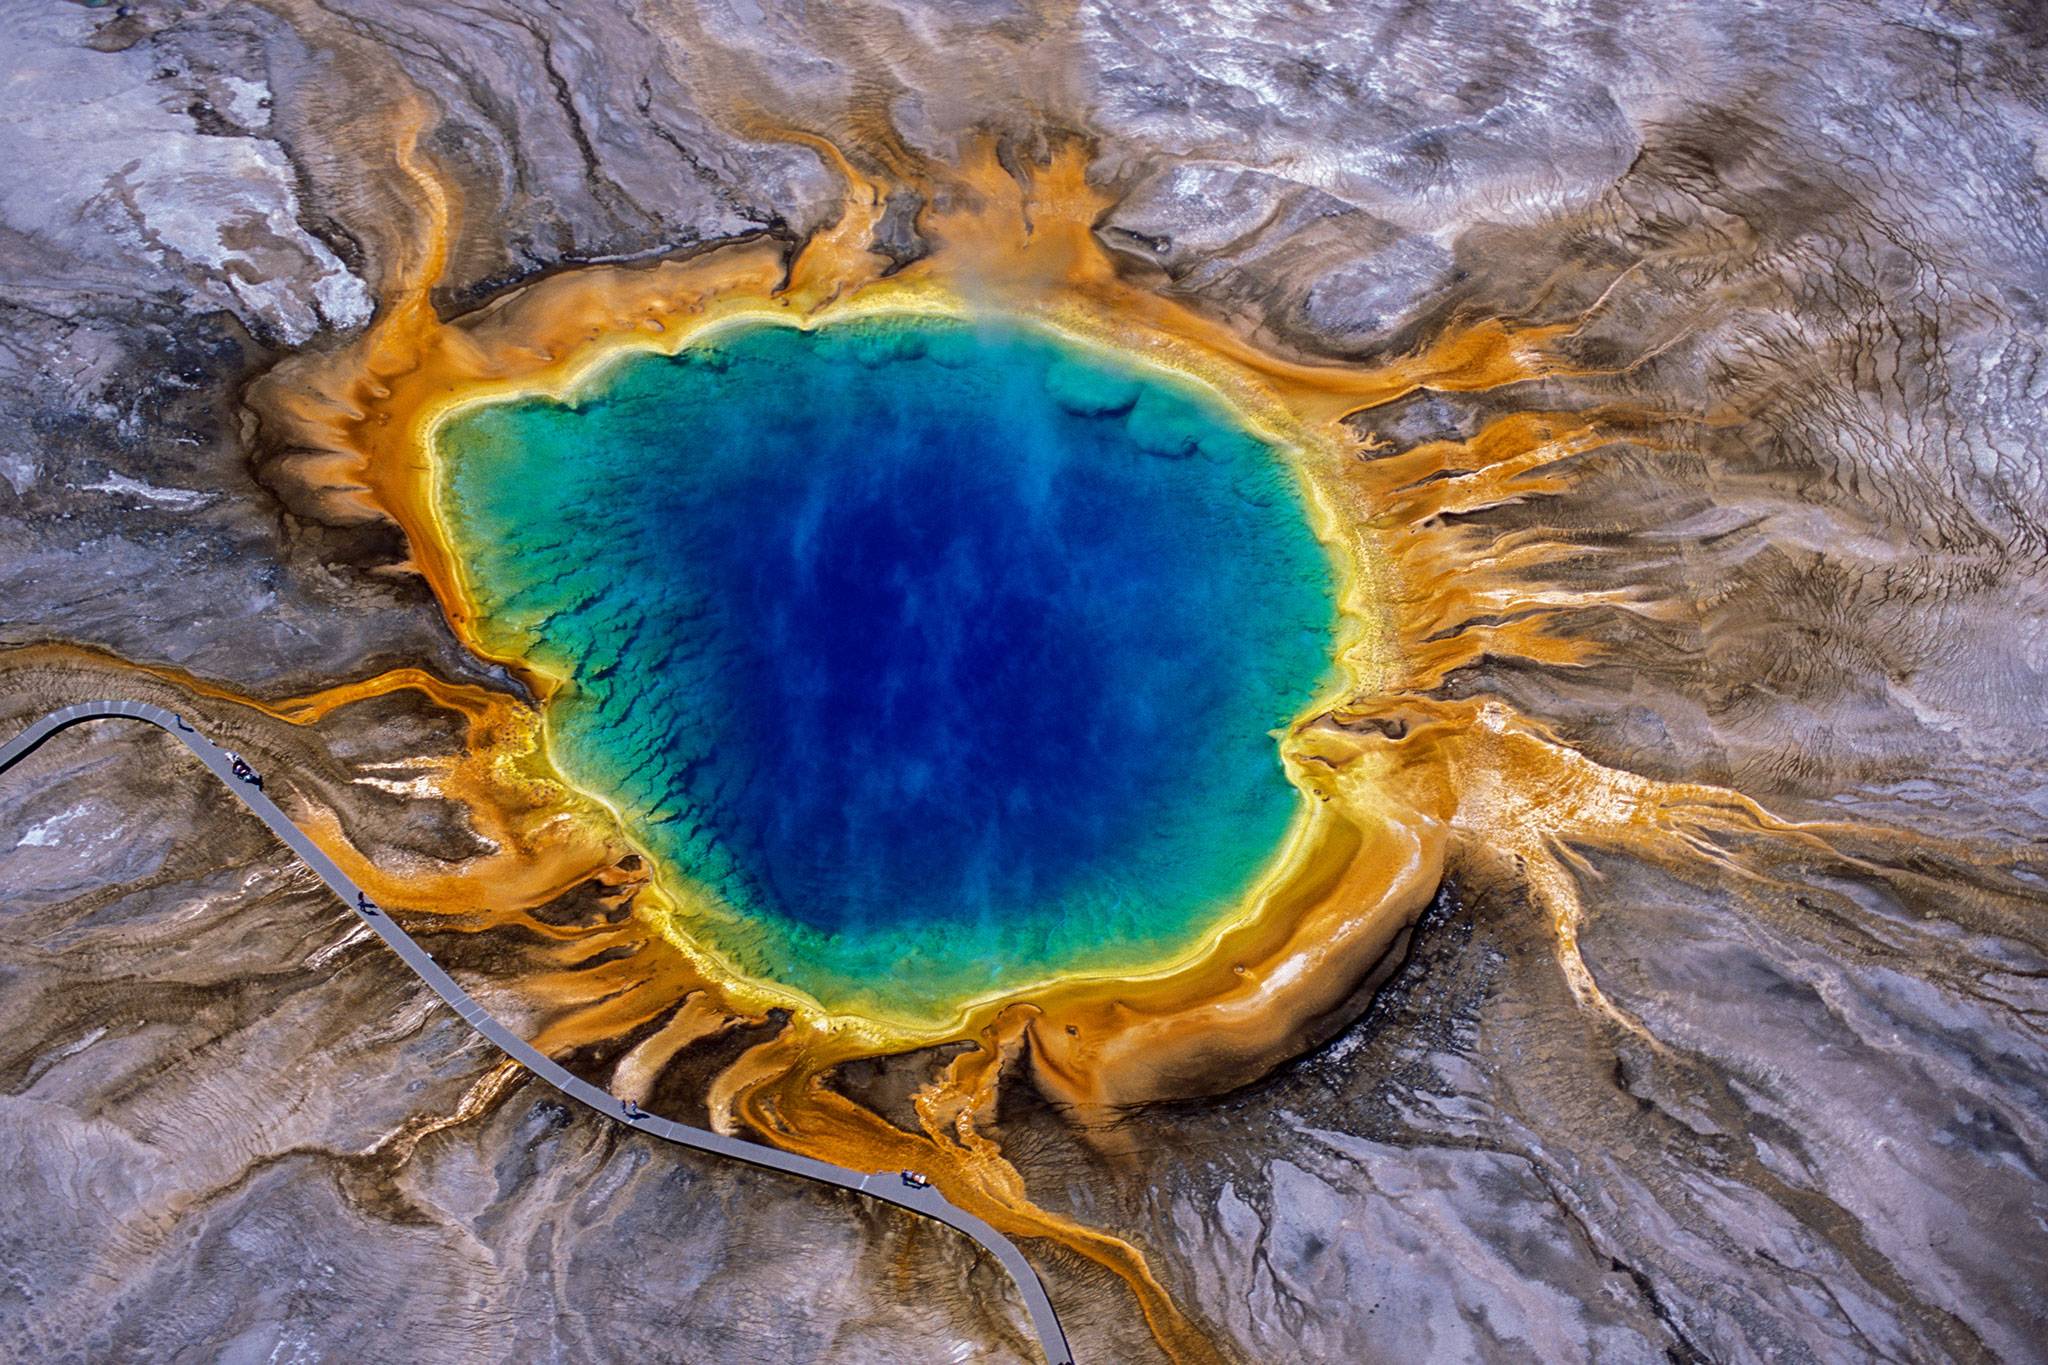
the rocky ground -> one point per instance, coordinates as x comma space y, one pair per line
1809, 238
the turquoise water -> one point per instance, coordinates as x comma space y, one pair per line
942, 656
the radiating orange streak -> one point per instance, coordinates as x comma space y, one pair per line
837, 257
699, 1017
535, 860
777, 1089
482, 707
536, 854
617, 997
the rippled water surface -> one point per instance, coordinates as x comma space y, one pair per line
941, 656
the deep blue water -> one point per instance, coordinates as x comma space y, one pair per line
944, 656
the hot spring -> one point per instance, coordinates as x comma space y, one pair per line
924, 659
